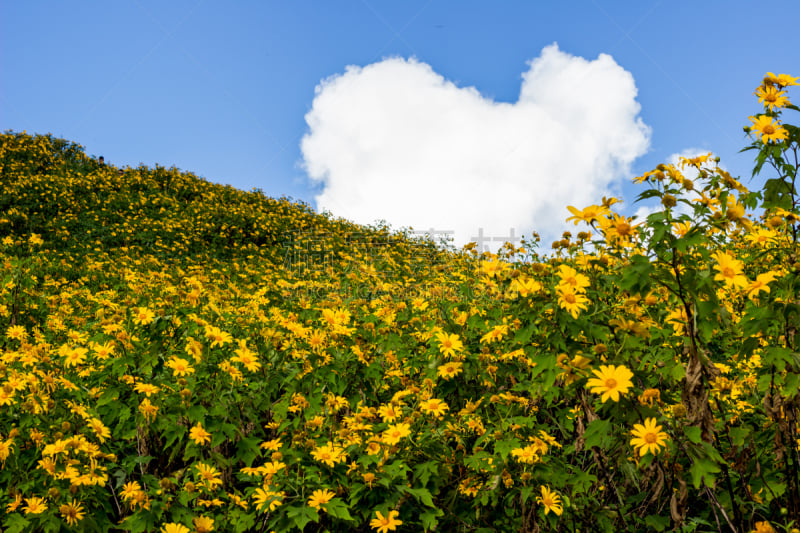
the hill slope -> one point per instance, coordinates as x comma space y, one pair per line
176, 354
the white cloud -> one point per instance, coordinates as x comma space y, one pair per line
395, 141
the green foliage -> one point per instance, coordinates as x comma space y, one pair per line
178, 352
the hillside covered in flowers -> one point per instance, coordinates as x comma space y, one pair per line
178, 356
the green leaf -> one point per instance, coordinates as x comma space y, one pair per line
302, 515
504, 447
598, 433
422, 495
523, 336
694, 434
108, 396
658, 523
703, 471
525, 493
15, 523
424, 471
247, 450
738, 436
338, 509
429, 518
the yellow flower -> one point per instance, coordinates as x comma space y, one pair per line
730, 270
771, 97
761, 284
320, 497
449, 370
100, 430
763, 527
199, 435
72, 512
550, 500
35, 505
209, 476
619, 230
648, 437
16, 332
571, 280
434, 406
449, 344
528, 454
12, 506
203, 524
611, 381
179, 366
247, 357
143, 316
761, 236
217, 336
571, 301
496, 334
146, 389
588, 215
74, 356
330, 454
268, 498
783, 80
6, 446
767, 129
388, 413
387, 523
395, 432
148, 409
130, 489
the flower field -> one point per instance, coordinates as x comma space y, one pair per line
178, 356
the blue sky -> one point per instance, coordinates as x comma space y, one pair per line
224, 90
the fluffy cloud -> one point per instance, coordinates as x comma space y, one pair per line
395, 141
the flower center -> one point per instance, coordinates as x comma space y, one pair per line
569, 298
650, 438
611, 383
769, 129
728, 272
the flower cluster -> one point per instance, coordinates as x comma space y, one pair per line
180, 356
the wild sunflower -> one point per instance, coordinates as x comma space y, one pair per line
387, 523
449, 344
72, 512
550, 500
35, 505
174, 527
320, 497
771, 97
611, 381
199, 435
782, 80
330, 454
572, 301
767, 129
203, 524
449, 370
434, 406
729, 270
589, 214
648, 437
395, 432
